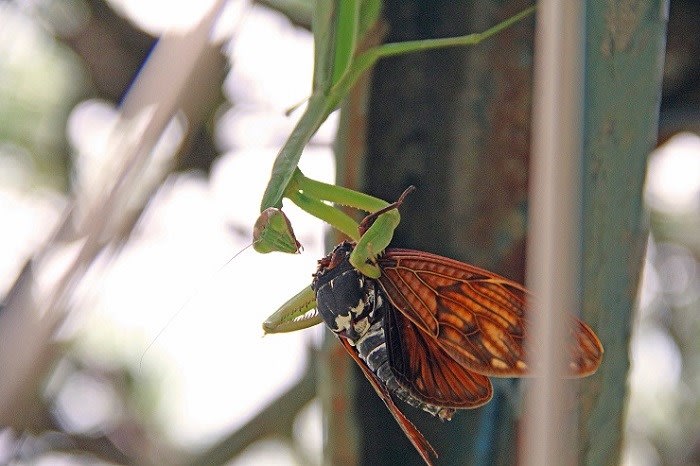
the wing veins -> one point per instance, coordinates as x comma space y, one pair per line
502, 291
434, 375
482, 344
505, 295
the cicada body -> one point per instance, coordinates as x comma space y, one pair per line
431, 330
356, 309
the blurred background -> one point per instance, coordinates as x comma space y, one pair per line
144, 345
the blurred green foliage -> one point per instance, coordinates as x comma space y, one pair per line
41, 80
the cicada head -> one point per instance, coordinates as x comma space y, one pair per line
345, 298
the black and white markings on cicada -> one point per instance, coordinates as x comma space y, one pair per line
344, 297
356, 309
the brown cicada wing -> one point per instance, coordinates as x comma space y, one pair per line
427, 371
421, 444
478, 318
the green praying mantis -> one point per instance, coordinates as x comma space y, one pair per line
338, 29
314, 199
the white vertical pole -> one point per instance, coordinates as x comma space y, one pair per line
554, 229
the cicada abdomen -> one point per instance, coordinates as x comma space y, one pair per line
355, 308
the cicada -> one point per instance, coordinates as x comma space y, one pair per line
432, 330
429, 330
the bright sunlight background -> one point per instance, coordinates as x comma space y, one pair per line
171, 307
146, 296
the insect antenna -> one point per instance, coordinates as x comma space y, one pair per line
188, 300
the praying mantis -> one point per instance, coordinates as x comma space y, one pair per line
338, 29
370, 243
